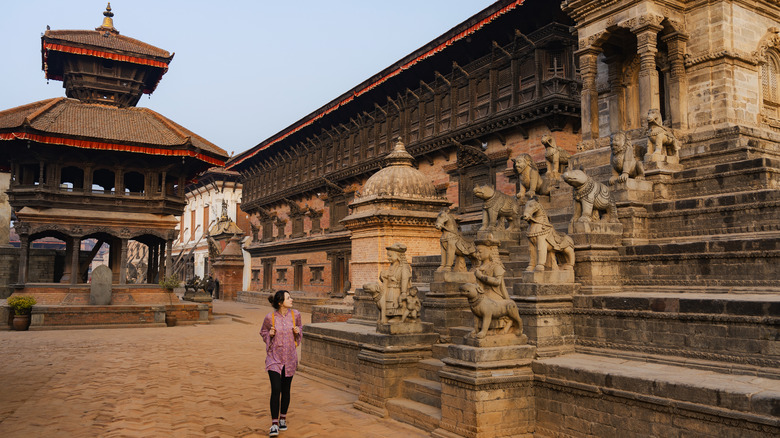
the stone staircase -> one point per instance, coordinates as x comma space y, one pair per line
421, 401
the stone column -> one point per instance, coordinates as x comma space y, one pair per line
168, 255
617, 101
5, 210
123, 261
648, 75
24, 240
590, 95
74, 260
678, 84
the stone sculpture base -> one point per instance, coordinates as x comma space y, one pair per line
544, 301
632, 199
487, 391
445, 305
385, 360
596, 252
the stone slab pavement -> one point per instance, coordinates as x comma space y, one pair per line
204, 380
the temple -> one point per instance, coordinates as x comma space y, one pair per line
93, 166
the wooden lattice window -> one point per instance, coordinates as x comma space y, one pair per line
770, 71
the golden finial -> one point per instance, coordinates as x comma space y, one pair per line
108, 21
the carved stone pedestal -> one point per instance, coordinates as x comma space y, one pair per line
544, 300
596, 251
445, 305
387, 359
487, 391
632, 199
660, 172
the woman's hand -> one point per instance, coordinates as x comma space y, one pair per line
296, 330
272, 332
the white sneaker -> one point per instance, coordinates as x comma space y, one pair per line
282, 424
274, 430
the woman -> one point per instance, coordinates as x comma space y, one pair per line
281, 333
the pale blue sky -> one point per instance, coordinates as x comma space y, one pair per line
243, 70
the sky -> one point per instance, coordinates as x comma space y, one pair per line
243, 70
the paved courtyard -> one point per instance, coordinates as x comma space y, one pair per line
185, 381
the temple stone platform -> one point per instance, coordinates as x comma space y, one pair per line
615, 396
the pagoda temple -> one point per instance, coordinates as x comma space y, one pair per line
94, 166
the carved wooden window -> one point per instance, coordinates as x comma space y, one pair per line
527, 80
328, 158
356, 147
504, 97
370, 141
481, 108
268, 230
339, 266
445, 102
281, 275
297, 225
382, 142
414, 124
268, 269
555, 64
430, 118
463, 104
298, 274
338, 211
316, 274
770, 71
471, 177
193, 221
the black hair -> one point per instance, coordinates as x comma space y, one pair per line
277, 299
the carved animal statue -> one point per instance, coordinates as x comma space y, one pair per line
661, 140
590, 197
531, 183
626, 163
544, 242
496, 206
411, 303
486, 309
454, 248
557, 158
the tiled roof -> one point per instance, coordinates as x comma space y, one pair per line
70, 118
106, 40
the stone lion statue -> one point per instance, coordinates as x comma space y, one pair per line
661, 140
544, 242
590, 197
531, 182
454, 248
626, 163
496, 206
557, 158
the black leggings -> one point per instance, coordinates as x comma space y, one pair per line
280, 388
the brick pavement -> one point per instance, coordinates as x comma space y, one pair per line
186, 381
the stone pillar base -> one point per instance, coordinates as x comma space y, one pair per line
385, 361
547, 313
445, 305
487, 392
596, 254
632, 198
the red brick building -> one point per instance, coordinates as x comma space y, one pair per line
464, 104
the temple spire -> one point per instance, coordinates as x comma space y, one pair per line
108, 21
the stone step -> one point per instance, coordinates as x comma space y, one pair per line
728, 332
417, 414
429, 369
751, 399
724, 177
439, 351
728, 213
423, 391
